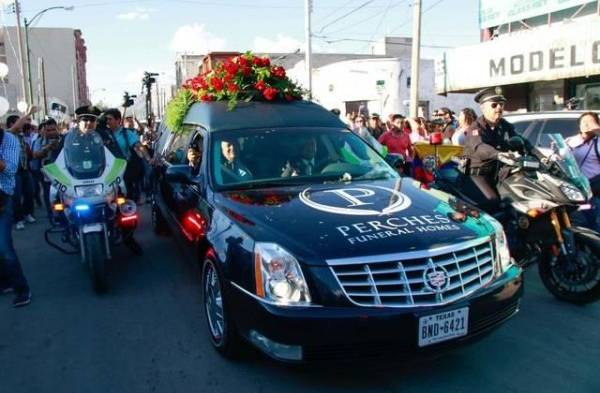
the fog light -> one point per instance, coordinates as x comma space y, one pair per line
274, 349
58, 207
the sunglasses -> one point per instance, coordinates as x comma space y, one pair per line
88, 118
497, 104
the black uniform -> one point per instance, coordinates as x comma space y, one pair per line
483, 142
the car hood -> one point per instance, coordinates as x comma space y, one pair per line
342, 220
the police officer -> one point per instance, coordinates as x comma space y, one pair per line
486, 140
87, 129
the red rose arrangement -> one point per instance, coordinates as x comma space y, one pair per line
246, 77
241, 78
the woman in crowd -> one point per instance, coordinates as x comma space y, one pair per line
466, 118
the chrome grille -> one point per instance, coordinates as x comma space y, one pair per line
398, 280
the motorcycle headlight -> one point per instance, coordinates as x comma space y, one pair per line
501, 244
572, 193
278, 276
93, 190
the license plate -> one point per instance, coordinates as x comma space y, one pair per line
443, 326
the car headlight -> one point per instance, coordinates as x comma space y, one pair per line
572, 193
93, 190
501, 245
278, 275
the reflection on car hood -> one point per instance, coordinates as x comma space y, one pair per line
341, 220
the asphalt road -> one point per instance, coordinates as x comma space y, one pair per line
148, 334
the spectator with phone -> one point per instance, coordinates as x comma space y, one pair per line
45, 150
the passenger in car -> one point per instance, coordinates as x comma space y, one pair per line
304, 163
232, 169
194, 156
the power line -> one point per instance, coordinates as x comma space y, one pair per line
337, 9
365, 20
346, 14
409, 20
381, 20
333, 40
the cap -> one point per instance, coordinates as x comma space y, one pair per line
493, 94
374, 115
88, 110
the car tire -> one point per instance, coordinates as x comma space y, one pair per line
221, 329
159, 224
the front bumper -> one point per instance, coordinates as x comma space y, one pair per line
333, 333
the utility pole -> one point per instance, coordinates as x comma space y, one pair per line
22, 54
308, 53
416, 54
42, 76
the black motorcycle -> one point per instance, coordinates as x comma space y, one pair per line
538, 196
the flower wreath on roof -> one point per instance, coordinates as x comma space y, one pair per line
241, 78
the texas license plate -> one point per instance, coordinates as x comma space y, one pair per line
443, 326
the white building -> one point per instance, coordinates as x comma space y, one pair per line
380, 84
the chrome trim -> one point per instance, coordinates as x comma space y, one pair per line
470, 273
260, 299
409, 254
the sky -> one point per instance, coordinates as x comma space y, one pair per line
125, 38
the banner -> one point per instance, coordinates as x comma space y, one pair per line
543, 54
498, 12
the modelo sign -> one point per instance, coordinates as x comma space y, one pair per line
545, 53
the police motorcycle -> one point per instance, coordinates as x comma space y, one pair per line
539, 195
89, 211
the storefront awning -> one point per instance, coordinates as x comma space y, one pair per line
545, 53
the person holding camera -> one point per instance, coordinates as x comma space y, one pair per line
45, 150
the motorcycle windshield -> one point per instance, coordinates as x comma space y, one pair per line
84, 155
567, 163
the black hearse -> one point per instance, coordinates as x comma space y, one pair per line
312, 247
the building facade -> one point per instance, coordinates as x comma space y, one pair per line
64, 57
546, 56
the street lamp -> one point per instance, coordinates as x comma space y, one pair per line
27, 24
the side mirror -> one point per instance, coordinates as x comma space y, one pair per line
179, 174
396, 161
517, 143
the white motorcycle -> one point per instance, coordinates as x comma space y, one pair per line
89, 211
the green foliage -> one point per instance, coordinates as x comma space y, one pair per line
177, 109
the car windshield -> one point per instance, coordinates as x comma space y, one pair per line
84, 155
272, 157
565, 159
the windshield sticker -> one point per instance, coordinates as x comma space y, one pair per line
363, 232
356, 201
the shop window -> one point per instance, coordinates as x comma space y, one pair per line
546, 96
589, 93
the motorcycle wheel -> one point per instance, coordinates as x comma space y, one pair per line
96, 260
575, 282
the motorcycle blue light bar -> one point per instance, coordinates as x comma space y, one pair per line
81, 208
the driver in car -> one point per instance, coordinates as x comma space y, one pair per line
304, 163
232, 169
